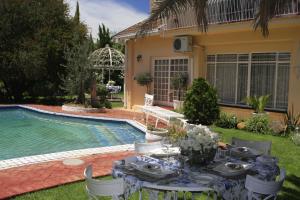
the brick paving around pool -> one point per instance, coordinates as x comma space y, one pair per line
19, 180
35, 177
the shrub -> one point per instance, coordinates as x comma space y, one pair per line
291, 120
201, 103
258, 123
226, 121
102, 101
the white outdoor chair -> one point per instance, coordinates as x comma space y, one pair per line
258, 189
149, 99
262, 146
96, 188
171, 192
145, 148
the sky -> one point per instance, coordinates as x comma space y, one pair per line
115, 14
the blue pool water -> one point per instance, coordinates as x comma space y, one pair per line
24, 133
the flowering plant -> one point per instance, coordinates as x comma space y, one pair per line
200, 144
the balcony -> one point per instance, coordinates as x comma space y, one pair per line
228, 11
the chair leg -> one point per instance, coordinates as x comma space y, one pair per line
140, 194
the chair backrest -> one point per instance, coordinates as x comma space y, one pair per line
263, 187
145, 148
95, 187
149, 99
262, 146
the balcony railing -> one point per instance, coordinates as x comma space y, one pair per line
228, 11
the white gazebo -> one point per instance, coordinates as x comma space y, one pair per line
107, 58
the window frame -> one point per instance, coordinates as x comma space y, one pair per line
249, 65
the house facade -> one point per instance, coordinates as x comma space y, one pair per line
231, 56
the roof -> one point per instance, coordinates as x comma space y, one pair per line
134, 29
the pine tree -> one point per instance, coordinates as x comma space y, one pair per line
104, 37
79, 71
77, 14
91, 43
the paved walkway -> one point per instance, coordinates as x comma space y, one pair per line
30, 178
34, 177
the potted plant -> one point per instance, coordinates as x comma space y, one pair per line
258, 104
179, 83
200, 145
154, 134
144, 79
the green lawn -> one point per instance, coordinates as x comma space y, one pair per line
283, 148
117, 104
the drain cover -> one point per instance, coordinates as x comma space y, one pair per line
73, 162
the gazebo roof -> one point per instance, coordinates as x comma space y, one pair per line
107, 58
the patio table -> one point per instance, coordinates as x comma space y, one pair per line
185, 179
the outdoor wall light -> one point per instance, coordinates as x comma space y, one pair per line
139, 57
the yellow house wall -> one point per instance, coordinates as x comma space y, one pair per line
247, 41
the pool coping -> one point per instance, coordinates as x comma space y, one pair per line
35, 159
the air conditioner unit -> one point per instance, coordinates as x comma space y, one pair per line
182, 44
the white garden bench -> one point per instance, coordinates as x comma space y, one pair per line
158, 112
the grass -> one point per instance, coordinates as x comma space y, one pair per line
117, 104
283, 148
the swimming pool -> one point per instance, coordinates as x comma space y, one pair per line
26, 132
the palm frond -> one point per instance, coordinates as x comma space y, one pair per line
166, 9
267, 10
201, 15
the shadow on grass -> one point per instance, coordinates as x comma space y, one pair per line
293, 189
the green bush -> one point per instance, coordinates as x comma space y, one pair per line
226, 121
201, 103
258, 123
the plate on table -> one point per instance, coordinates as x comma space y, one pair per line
244, 152
232, 169
152, 170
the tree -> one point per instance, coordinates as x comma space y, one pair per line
77, 14
104, 37
167, 8
79, 27
91, 43
79, 72
34, 35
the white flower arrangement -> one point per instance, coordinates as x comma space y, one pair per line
199, 138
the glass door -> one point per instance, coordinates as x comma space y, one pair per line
163, 71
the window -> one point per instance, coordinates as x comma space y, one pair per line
237, 76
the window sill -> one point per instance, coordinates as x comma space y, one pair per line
249, 108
